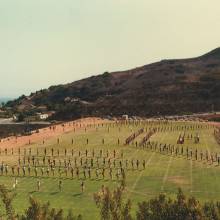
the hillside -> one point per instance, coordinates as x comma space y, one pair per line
167, 87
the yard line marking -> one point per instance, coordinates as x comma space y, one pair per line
169, 164
166, 173
208, 149
191, 176
139, 193
155, 166
140, 175
149, 193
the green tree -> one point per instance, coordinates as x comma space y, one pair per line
21, 117
163, 208
112, 206
38, 211
7, 199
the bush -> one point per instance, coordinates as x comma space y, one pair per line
112, 206
36, 210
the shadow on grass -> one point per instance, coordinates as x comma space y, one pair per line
54, 193
77, 194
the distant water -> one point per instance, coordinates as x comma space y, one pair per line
3, 99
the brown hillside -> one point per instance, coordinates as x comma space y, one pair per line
166, 87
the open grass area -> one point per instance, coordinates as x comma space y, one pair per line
163, 172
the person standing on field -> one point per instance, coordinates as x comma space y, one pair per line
82, 187
60, 185
38, 185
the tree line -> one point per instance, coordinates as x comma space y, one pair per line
113, 206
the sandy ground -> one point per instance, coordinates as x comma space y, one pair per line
48, 132
217, 124
54, 131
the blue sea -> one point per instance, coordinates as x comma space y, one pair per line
5, 99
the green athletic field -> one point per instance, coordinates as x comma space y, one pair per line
163, 173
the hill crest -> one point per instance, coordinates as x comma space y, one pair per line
167, 87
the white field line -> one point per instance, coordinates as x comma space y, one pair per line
204, 170
156, 165
193, 191
138, 193
191, 175
169, 164
166, 173
147, 194
208, 149
140, 175
141, 193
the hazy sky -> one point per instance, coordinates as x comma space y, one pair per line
46, 42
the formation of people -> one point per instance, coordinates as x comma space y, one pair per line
147, 136
15, 185
189, 153
88, 164
217, 135
133, 136
100, 164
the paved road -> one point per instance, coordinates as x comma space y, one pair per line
6, 121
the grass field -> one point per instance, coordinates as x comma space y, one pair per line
163, 172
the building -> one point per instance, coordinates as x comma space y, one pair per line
46, 115
42, 116
42, 108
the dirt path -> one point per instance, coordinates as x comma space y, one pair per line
217, 124
49, 132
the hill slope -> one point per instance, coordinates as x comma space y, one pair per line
166, 87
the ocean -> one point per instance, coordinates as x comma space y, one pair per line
3, 99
